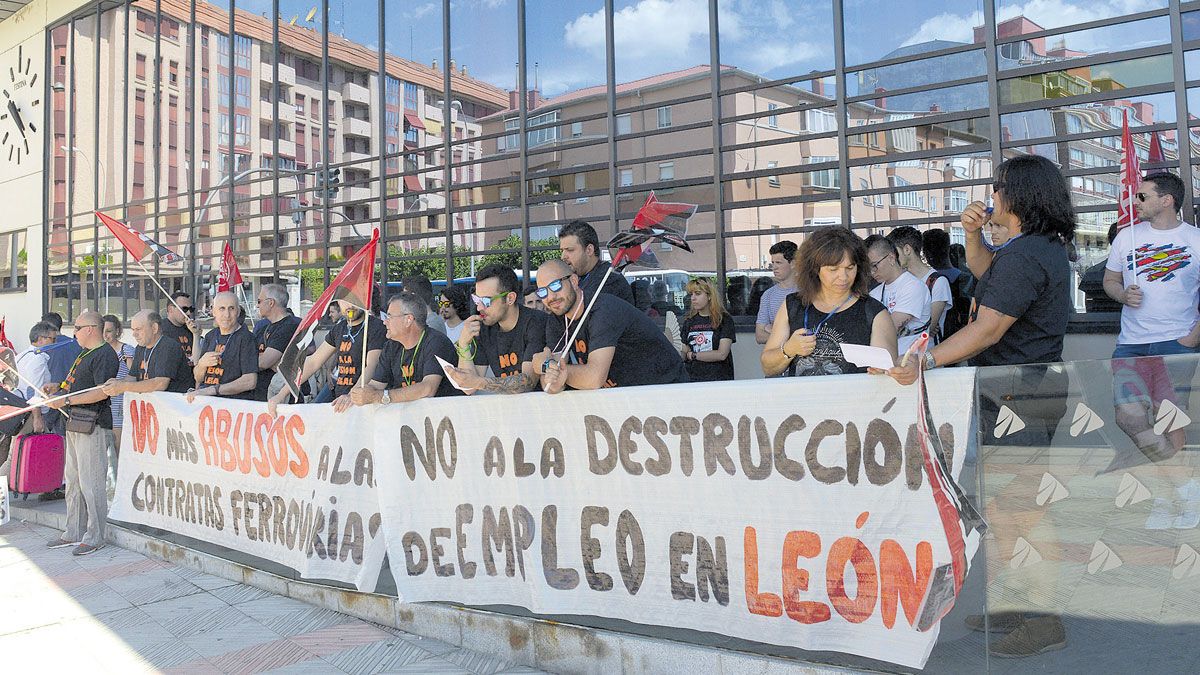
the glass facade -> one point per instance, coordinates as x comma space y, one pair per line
470, 131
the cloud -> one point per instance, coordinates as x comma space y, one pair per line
424, 10
655, 30
770, 55
946, 26
1046, 13
781, 15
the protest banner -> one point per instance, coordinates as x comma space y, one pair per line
296, 489
797, 512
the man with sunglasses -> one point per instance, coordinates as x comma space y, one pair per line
179, 326
617, 346
1153, 272
505, 335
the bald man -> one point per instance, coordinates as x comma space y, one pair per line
618, 345
227, 358
159, 363
89, 414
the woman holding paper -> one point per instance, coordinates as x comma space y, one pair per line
830, 308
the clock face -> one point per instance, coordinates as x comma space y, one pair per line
20, 113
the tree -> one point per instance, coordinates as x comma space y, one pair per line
429, 262
512, 258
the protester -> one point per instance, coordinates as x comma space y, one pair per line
182, 327
90, 415
908, 243
580, 247
158, 361
1023, 300
420, 286
504, 336
936, 247
831, 306
906, 298
34, 366
1148, 273
272, 336
708, 334
227, 363
112, 335
408, 370
64, 350
663, 315
454, 306
531, 299
783, 255
616, 346
345, 340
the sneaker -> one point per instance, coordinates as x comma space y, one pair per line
1034, 636
84, 549
53, 495
60, 543
997, 622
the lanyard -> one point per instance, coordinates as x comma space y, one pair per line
993, 248
827, 316
146, 359
412, 362
352, 336
70, 374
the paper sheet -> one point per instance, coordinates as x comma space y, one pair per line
448, 369
865, 356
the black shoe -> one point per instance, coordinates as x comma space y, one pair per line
53, 495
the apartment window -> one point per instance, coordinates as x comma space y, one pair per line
509, 142
773, 180
819, 121
547, 131
626, 176
392, 93
624, 124
664, 117
223, 129
576, 129
243, 130
505, 193
410, 96
242, 94
580, 182
13, 260
666, 171
957, 203
864, 185
173, 73
772, 119
139, 68
827, 178
241, 45
906, 200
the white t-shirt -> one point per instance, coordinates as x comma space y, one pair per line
1168, 274
908, 295
941, 293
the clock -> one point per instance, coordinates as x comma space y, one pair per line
20, 113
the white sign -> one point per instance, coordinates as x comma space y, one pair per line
296, 488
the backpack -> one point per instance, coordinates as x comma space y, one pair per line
958, 313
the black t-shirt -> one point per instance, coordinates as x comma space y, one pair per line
699, 333
272, 336
93, 367
399, 367
348, 340
505, 352
165, 359
239, 355
643, 354
616, 284
179, 334
1029, 279
852, 325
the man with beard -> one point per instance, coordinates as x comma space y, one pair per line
228, 355
505, 335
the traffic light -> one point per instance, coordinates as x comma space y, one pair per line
333, 179
321, 180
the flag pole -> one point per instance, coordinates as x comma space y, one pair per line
362, 376
42, 403
241, 294
588, 309
160, 287
36, 389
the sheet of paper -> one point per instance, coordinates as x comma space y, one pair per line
448, 369
865, 356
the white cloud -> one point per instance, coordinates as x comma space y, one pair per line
781, 16
423, 10
952, 27
1046, 13
651, 29
771, 55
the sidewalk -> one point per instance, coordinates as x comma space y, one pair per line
117, 611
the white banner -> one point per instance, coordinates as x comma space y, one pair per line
296, 489
793, 511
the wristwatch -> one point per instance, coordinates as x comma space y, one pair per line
929, 360
387, 396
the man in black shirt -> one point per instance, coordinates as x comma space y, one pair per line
580, 247
89, 414
409, 370
228, 356
618, 346
504, 335
273, 334
345, 340
181, 327
158, 361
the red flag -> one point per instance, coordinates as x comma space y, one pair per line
4, 341
1131, 176
1156, 151
353, 285
230, 274
662, 221
137, 243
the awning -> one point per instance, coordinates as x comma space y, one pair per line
414, 121
413, 184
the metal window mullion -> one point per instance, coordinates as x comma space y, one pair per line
70, 152
96, 155
326, 159
47, 189
275, 140
381, 148
124, 155
1184, 150
610, 83
523, 144
157, 123
231, 100
447, 133
840, 107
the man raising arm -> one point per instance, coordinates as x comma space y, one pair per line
505, 336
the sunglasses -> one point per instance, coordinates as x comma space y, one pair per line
555, 286
487, 302
188, 309
443, 303
1142, 196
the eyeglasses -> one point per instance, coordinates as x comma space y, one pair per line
189, 309
555, 286
444, 303
876, 263
998, 186
89, 325
1142, 196
487, 302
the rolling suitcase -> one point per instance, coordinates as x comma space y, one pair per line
37, 464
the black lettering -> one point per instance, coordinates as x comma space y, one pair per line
754, 471
681, 544
520, 467
880, 433
626, 446
633, 569
685, 428
653, 429
411, 541
436, 552
554, 461
589, 546
596, 464
493, 457
463, 514
825, 474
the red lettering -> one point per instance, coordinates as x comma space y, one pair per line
228, 453
208, 438
799, 544
145, 426
293, 428
852, 550
262, 463
278, 445
898, 583
766, 604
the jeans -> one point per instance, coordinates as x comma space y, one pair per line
85, 473
1164, 348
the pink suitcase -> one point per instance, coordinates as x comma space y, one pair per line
37, 463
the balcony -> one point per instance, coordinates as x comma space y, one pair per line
354, 156
287, 74
286, 148
287, 112
352, 126
356, 93
355, 193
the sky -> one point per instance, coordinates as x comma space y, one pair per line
773, 38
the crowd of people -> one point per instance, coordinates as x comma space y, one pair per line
1003, 298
